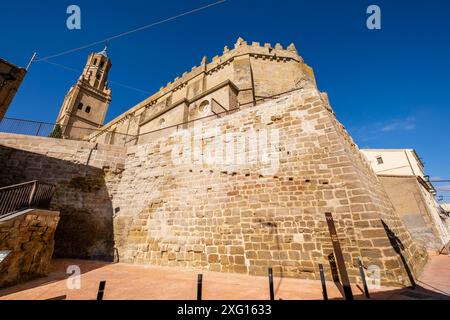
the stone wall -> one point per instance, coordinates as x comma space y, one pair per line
235, 194
180, 208
85, 176
11, 77
29, 237
377, 229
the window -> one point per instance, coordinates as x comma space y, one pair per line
88, 109
95, 62
162, 122
97, 76
204, 107
380, 160
102, 64
80, 106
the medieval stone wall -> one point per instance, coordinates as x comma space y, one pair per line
375, 218
28, 237
255, 71
260, 207
85, 175
234, 194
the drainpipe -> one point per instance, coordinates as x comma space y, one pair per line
90, 153
252, 80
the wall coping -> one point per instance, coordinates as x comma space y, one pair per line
241, 48
23, 213
81, 143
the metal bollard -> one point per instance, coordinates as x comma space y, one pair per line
363, 278
324, 285
272, 294
101, 290
348, 294
199, 286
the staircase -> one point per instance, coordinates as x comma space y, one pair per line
28, 195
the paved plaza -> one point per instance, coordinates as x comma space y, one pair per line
125, 281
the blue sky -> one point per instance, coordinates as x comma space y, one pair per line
389, 87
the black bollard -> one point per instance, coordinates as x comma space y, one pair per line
199, 286
101, 290
272, 294
339, 257
363, 278
324, 285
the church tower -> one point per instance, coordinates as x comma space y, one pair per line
85, 105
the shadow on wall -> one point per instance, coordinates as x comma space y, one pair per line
85, 229
399, 248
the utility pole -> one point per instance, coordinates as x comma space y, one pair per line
31, 61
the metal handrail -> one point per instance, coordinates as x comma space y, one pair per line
230, 111
51, 130
27, 195
46, 129
16, 185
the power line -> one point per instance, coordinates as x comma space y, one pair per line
109, 81
62, 66
130, 31
129, 87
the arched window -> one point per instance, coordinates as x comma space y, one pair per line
204, 107
80, 106
88, 109
162, 122
95, 62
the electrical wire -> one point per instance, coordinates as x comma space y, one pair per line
109, 81
129, 32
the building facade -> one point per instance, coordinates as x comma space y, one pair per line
403, 176
11, 77
446, 208
242, 77
232, 168
85, 105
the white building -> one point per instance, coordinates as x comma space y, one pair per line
446, 207
402, 174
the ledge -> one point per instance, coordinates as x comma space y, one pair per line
22, 213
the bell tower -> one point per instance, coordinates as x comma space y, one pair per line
85, 105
